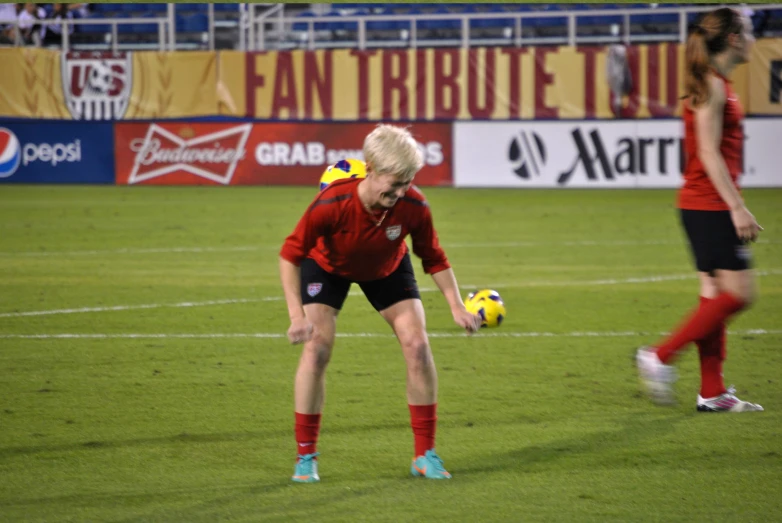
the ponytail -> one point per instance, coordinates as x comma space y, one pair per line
707, 38
696, 69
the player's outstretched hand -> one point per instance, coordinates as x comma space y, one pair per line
467, 320
300, 331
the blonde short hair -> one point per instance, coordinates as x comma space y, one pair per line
393, 150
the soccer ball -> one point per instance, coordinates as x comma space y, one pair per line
348, 168
488, 304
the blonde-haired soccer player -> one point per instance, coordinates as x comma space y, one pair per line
354, 232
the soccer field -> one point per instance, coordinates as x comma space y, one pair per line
146, 376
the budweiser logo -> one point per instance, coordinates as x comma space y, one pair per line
212, 156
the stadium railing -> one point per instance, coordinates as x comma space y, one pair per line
313, 31
110, 29
168, 27
107, 26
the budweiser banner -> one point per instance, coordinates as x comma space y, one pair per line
42, 83
168, 153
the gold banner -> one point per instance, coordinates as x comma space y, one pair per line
499, 83
31, 84
41, 83
445, 84
765, 92
173, 85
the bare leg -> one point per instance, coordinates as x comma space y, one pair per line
310, 388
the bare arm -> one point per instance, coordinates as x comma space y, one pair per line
446, 282
301, 328
708, 132
290, 275
708, 126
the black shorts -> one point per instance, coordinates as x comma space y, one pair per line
714, 242
319, 286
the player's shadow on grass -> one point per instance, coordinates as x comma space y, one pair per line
185, 437
215, 494
635, 432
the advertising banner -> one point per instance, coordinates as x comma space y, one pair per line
348, 85
486, 83
766, 73
56, 152
169, 153
592, 154
101, 85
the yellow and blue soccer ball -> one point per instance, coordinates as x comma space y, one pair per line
488, 304
348, 168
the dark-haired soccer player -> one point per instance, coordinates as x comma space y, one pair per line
718, 224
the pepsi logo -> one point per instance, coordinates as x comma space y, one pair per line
10, 153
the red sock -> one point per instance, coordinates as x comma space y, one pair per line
711, 351
423, 419
699, 325
307, 429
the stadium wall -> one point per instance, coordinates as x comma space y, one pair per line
56, 152
488, 117
597, 154
433, 84
556, 154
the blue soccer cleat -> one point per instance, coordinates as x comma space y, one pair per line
430, 465
306, 469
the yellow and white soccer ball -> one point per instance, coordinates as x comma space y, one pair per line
488, 304
347, 168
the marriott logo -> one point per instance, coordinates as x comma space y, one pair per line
629, 156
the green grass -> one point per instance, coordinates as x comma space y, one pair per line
533, 428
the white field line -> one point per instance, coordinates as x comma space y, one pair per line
251, 248
137, 307
271, 335
567, 283
133, 251
610, 281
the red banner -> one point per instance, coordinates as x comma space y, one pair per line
177, 153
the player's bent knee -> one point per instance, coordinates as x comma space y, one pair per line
418, 353
747, 293
318, 352
749, 297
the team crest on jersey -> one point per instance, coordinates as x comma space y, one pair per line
393, 232
97, 84
313, 289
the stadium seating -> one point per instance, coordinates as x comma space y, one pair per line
192, 21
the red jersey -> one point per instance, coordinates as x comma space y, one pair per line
698, 193
345, 239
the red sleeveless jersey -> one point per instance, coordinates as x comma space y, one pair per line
698, 193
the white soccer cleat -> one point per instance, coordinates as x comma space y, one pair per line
656, 377
727, 402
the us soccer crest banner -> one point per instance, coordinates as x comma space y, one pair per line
97, 85
106, 86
